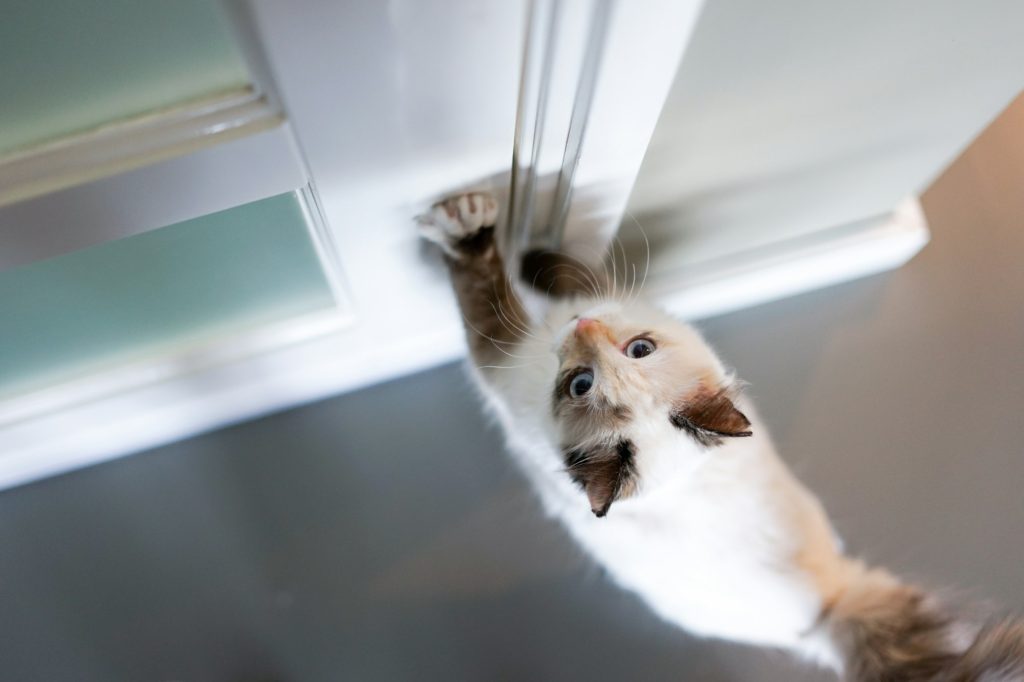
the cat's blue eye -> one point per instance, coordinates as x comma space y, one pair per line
581, 384
640, 348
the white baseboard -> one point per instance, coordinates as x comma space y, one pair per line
796, 266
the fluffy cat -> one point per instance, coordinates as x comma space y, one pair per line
640, 441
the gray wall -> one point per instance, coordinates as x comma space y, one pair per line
383, 535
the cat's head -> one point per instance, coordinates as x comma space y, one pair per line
636, 394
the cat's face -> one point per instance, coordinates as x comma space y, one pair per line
626, 376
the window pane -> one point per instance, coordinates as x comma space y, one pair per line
68, 66
158, 291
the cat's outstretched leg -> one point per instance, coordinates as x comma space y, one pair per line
495, 319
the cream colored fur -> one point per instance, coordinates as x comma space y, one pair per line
722, 541
718, 538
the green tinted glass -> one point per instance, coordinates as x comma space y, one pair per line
71, 65
224, 272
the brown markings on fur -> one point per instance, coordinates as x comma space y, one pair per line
709, 417
620, 413
890, 632
491, 309
997, 655
606, 473
560, 275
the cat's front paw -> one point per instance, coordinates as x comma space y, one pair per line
458, 220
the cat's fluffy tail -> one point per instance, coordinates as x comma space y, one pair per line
882, 630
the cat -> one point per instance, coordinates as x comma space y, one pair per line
640, 441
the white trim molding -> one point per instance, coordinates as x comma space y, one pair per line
170, 396
133, 143
205, 181
794, 266
147, 138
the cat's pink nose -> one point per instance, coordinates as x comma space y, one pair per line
591, 331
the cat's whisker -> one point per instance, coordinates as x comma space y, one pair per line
487, 336
583, 266
609, 284
631, 298
496, 343
506, 317
629, 268
512, 329
511, 355
581, 273
611, 258
602, 283
518, 312
529, 364
615, 272
520, 338
647, 249
512, 287
502, 319
625, 268
585, 283
510, 326
637, 293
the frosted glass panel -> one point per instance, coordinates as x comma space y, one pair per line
71, 65
124, 299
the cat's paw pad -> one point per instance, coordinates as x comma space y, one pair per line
450, 221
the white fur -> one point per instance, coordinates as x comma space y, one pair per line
456, 218
722, 541
712, 544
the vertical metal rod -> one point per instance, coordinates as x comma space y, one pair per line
599, 19
522, 193
511, 221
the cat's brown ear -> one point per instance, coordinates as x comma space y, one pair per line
605, 472
709, 416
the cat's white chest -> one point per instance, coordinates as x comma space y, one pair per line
676, 548
675, 543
